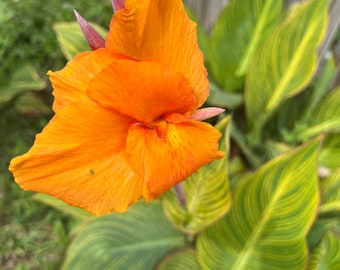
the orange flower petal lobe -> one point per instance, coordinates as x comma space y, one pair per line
71, 82
80, 158
145, 91
167, 160
160, 30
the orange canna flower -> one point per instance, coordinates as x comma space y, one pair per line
126, 123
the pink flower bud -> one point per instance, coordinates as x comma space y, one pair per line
206, 113
92, 37
118, 5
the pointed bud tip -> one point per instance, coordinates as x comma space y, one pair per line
206, 113
93, 38
117, 5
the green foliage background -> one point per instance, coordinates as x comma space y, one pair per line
272, 203
32, 235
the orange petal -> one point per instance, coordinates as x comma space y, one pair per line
142, 90
80, 158
160, 30
166, 161
70, 83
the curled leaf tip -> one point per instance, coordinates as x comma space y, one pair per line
206, 113
118, 5
92, 37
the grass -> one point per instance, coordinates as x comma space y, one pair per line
32, 235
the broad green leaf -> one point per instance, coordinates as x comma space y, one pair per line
30, 104
62, 206
24, 79
330, 188
330, 152
244, 144
290, 119
285, 63
207, 195
237, 34
236, 165
320, 228
184, 259
274, 148
219, 98
326, 255
326, 116
271, 214
71, 38
293, 119
136, 239
322, 83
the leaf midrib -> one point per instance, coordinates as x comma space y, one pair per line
148, 245
278, 92
244, 255
252, 45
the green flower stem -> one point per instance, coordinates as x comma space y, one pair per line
242, 142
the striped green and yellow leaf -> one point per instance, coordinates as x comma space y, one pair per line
136, 239
71, 39
326, 255
184, 259
326, 116
219, 98
331, 193
274, 148
286, 62
73, 211
207, 194
238, 33
271, 214
24, 79
321, 85
330, 152
320, 228
29, 103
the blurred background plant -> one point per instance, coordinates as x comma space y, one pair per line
32, 235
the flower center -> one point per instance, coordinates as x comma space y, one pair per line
160, 127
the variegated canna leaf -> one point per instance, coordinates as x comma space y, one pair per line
23, 79
183, 259
73, 211
271, 214
238, 33
136, 239
326, 116
331, 193
326, 255
330, 152
285, 63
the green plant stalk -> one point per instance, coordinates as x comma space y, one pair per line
242, 142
